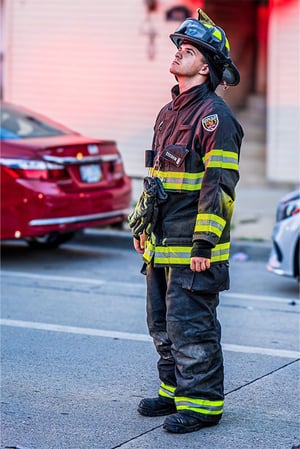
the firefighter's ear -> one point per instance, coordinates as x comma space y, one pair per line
204, 70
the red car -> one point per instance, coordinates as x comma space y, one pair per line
55, 181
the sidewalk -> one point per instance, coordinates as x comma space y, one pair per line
254, 214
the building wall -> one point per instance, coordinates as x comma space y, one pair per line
283, 99
90, 65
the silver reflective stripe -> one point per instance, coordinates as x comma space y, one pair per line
203, 406
220, 252
221, 159
178, 255
179, 180
210, 223
166, 390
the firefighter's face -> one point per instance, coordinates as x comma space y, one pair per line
188, 61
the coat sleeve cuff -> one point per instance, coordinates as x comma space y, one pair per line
201, 248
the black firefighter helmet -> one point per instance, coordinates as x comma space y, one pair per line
212, 41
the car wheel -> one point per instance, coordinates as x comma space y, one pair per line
49, 241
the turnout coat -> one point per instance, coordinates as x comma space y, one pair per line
195, 153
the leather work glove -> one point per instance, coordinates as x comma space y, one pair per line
144, 215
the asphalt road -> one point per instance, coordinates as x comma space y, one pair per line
76, 357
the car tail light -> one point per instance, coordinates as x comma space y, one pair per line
288, 209
117, 168
34, 169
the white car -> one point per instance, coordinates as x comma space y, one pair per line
284, 259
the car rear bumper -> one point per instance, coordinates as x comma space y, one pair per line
122, 213
40, 208
275, 265
282, 256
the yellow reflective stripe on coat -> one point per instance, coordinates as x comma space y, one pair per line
181, 255
167, 391
179, 180
221, 159
149, 251
210, 223
220, 252
203, 406
172, 255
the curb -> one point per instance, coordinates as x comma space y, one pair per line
250, 250
240, 250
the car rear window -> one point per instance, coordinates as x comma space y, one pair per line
16, 125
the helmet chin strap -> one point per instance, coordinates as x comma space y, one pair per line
224, 85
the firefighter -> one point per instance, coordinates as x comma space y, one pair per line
185, 244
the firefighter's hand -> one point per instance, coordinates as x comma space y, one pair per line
139, 244
199, 264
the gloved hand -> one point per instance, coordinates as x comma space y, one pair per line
146, 210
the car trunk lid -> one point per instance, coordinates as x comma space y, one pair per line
82, 163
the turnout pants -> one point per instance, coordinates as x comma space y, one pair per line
186, 332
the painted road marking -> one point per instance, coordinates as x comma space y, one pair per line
249, 297
138, 337
77, 280
72, 280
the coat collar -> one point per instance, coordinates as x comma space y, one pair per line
196, 93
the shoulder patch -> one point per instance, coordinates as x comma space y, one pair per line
210, 122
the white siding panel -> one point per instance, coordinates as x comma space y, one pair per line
283, 125
85, 63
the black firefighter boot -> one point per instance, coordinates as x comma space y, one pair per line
159, 406
186, 421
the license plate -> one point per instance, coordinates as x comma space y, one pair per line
90, 173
